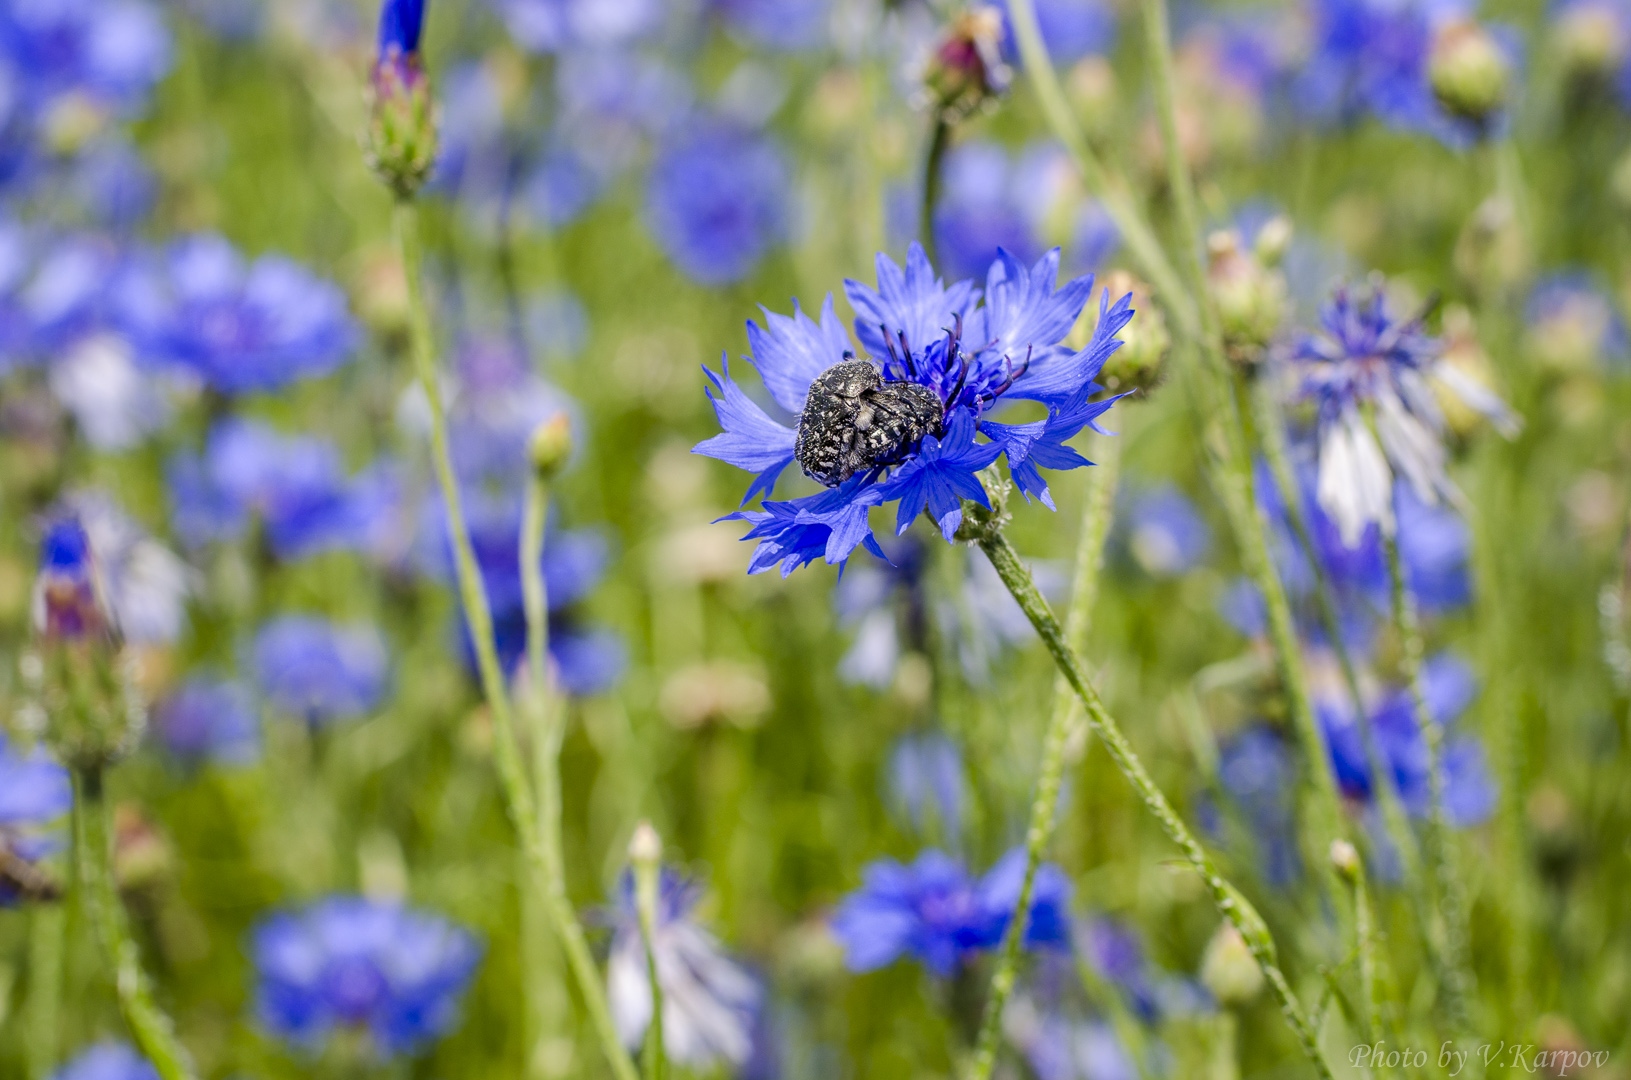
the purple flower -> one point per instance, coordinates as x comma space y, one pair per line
903, 426
348, 962
209, 719
107, 1061
238, 328
315, 671
717, 200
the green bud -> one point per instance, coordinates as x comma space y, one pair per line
1345, 859
1468, 71
1251, 298
1141, 362
550, 446
965, 73
402, 124
1228, 969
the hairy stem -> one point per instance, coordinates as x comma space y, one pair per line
1065, 719
1451, 907
152, 1029
983, 527
933, 165
543, 857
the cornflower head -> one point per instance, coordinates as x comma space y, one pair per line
711, 1003
717, 199
904, 425
1368, 373
209, 719
965, 72
353, 963
315, 671
107, 1060
402, 126
34, 792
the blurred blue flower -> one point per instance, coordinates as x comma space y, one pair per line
141, 586
1071, 29
936, 913
1257, 770
34, 792
107, 1061
105, 53
982, 210
717, 200
349, 962
712, 1005
1059, 1047
1366, 360
238, 328
315, 671
922, 330
209, 719
1574, 325
113, 183
783, 25
1449, 687
1116, 955
550, 26
1163, 532
926, 776
68, 603
296, 484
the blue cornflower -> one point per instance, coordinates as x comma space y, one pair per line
107, 1061
1163, 532
238, 328
1574, 325
943, 360
717, 200
400, 25
562, 26
936, 913
1449, 686
298, 487
209, 719
318, 672
34, 792
1368, 373
349, 962
107, 54
983, 208
1059, 1047
69, 602
712, 1005
784, 25
140, 588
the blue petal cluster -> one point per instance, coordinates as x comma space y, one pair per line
717, 200
34, 792
934, 912
349, 962
209, 719
971, 350
239, 328
312, 670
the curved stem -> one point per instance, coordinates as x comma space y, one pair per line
152, 1029
1452, 913
1064, 720
1108, 187
984, 528
543, 857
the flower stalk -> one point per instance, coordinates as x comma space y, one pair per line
983, 527
645, 860
543, 856
149, 1025
1064, 720
47, 934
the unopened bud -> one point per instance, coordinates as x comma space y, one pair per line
1273, 239
1468, 70
402, 111
645, 846
1590, 40
1229, 970
966, 73
550, 447
1251, 298
1345, 859
1141, 362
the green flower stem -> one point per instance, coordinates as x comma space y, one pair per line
1108, 187
984, 527
1065, 719
154, 1033
645, 899
47, 934
1365, 946
543, 856
934, 159
1451, 906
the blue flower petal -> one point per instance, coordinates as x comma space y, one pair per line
751, 440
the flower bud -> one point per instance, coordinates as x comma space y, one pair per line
1273, 239
83, 678
966, 73
550, 447
1468, 70
1345, 859
402, 110
645, 846
1229, 970
1589, 39
1251, 298
1141, 361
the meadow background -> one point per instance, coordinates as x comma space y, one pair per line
621, 184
